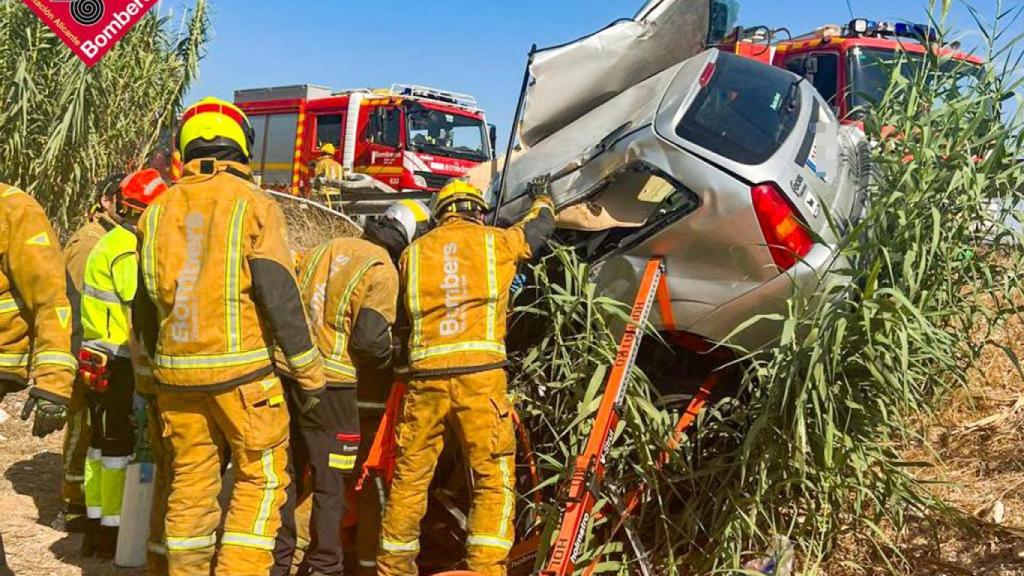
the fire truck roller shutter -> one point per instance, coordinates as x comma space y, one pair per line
348, 156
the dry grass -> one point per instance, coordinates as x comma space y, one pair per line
975, 449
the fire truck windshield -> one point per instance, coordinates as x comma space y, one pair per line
445, 133
871, 69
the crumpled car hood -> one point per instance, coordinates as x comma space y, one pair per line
571, 79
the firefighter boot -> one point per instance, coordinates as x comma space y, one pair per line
253, 419
419, 435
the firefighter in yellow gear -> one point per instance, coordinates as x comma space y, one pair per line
325, 172
110, 283
455, 281
36, 316
219, 293
350, 289
76, 436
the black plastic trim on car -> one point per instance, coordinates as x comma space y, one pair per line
808, 143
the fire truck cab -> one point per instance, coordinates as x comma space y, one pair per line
844, 63
409, 138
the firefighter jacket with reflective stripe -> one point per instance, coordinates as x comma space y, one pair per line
111, 278
35, 314
220, 288
328, 168
81, 243
456, 282
350, 288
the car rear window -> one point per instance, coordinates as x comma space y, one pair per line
746, 111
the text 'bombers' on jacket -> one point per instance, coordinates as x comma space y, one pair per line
219, 286
456, 280
36, 316
350, 288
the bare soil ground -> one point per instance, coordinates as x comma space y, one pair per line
30, 473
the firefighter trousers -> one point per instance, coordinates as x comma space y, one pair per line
476, 405
326, 441
156, 548
77, 437
112, 441
252, 419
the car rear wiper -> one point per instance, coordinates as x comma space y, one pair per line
791, 102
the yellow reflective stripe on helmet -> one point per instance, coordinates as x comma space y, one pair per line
210, 360
232, 276
492, 285
414, 294
392, 546
300, 361
340, 334
175, 543
470, 346
56, 358
259, 526
14, 360
8, 305
343, 462
489, 541
152, 217
338, 367
247, 540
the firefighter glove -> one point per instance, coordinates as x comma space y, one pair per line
539, 186
308, 401
50, 416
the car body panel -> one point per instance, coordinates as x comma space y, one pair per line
719, 270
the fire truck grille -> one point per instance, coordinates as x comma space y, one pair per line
434, 181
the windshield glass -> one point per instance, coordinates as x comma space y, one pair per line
746, 111
445, 134
871, 68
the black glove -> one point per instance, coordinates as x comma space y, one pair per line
308, 400
539, 187
50, 416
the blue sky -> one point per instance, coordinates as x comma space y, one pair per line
474, 47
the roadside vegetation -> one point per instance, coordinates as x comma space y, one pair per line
65, 126
808, 448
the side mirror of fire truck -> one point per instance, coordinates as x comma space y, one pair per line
492, 134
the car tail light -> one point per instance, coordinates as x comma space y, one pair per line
705, 76
787, 238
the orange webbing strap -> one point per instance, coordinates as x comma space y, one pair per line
380, 462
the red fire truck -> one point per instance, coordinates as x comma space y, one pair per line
409, 138
844, 62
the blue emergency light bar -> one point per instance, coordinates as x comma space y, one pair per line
865, 27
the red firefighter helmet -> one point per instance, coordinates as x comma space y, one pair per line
140, 188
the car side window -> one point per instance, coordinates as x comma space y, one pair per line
385, 127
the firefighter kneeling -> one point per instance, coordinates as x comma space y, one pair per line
456, 282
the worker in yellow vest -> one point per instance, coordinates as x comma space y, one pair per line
99, 221
105, 363
455, 281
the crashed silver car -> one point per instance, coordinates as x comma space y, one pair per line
738, 174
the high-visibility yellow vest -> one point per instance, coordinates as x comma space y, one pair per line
111, 279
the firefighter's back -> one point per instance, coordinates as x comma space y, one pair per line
457, 280
198, 238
